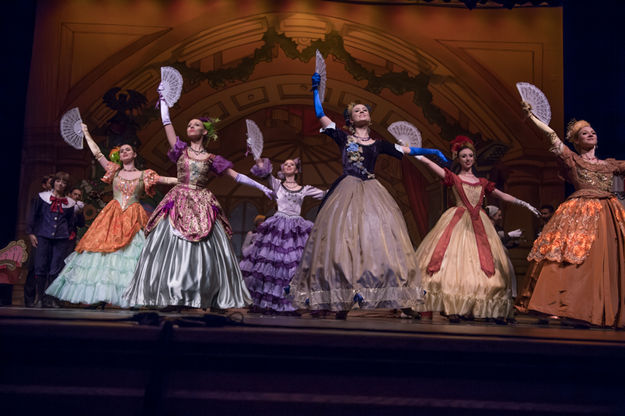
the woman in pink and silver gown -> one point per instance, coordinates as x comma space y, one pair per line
188, 259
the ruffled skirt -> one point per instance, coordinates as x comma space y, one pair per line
113, 228
593, 290
269, 264
358, 251
461, 287
175, 271
90, 277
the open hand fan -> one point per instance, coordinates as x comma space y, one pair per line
536, 98
405, 133
254, 139
71, 128
171, 85
320, 68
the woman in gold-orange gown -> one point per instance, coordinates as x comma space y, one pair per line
102, 266
577, 268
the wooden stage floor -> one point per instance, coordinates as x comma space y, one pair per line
374, 363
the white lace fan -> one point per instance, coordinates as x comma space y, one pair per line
320, 68
171, 85
254, 139
71, 128
405, 133
536, 98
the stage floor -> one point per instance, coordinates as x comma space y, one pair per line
240, 363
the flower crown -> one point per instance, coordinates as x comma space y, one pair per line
209, 125
114, 155
460, 142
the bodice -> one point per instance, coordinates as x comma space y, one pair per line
595, 178
128, 192
357, 159
473, 193
194, 172
290, 202
583, 174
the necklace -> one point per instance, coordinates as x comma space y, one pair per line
364, 139
197, 152
129, 170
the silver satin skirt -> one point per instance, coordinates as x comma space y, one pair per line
358, 252
175, 271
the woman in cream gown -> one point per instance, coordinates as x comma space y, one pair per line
465, 268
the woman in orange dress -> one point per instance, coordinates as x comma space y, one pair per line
102, 266
577, 268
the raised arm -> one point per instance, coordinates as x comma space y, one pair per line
323, 119
513, 200
169, 129
93, 146
556, 143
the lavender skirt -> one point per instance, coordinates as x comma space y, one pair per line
269, 264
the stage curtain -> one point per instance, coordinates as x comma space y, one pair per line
415, 183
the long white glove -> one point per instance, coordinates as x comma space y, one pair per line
241, 178
163, 105
528, 206
164, 113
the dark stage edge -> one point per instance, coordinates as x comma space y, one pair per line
75, 361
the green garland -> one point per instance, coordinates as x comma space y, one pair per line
398, 83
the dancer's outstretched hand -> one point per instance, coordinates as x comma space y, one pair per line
414, 151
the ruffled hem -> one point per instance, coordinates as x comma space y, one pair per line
270, 263
464, 305
266, 300
90, 277
372, 298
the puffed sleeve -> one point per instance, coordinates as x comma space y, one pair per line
619, 166
150, 178
265, 173
565, 155
111, 169
220, 165
313, 192
175, 152
489, 187
448, 180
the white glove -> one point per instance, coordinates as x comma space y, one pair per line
164, 112
241, 178
528, 206
515, 233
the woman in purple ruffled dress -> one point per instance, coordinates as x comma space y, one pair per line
188, 259
269, 264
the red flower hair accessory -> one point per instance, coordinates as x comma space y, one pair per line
459, 143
